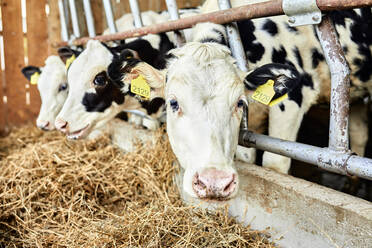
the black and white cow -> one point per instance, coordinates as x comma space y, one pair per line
198, 73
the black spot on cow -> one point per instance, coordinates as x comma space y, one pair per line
298, 57
279, 56
270, 27
282, 107
153, 106
122, 116
364, 71
104, 96
254, 49
316, 57
221, 40
296, 94
120, 66
345, 49
291, 29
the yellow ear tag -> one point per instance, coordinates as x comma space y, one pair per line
264, 93
34, 78
278, 100
69, 61
140, 87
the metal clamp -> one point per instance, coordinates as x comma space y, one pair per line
302, 12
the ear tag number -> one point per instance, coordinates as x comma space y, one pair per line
264, 93
140, 87
34, 78
69, 61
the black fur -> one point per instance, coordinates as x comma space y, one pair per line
252, 47
103, 98
28, 71
317, 57
221, 39
270, 27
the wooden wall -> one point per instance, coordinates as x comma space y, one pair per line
20, 101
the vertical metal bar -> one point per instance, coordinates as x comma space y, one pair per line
63, 21
136, 13
74, 18
235, 41
340, 83
109, 16
173, 12
89, 18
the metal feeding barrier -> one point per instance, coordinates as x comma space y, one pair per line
337, 157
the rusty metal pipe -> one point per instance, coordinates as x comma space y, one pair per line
264, 9
328, 159
340, 84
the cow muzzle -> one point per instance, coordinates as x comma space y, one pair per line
215, 184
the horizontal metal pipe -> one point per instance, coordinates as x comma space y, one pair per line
264, 9
328, 159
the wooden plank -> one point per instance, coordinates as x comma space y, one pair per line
14, 61
37, 43
2, 105
54, 26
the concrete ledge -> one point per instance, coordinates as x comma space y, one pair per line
297, 213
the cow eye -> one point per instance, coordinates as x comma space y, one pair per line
62, 87
174, 105
240, 103
100, 80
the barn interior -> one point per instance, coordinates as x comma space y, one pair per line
55, 192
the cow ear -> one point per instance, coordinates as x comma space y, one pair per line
285, 77
30, 70
66, 52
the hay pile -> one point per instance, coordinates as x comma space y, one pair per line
58, 193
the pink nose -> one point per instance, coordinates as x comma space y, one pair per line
214, 184
44, 125
61, 125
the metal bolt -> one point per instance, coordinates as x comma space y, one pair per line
292, 20
316, 18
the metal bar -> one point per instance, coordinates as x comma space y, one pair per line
109, 17
173, 12
136, 13
328, 159
89, 18
340, 84
63, 21
74, 18
235, 42
257, 10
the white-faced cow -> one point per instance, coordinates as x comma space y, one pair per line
53, 89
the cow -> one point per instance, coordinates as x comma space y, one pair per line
93, 100
53, 89
204, 93
265, 40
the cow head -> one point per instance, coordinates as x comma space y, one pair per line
53, 89
92, 99
205, 93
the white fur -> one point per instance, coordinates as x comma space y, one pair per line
202, 137
53, 74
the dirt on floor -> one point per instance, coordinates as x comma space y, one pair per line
60, 193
